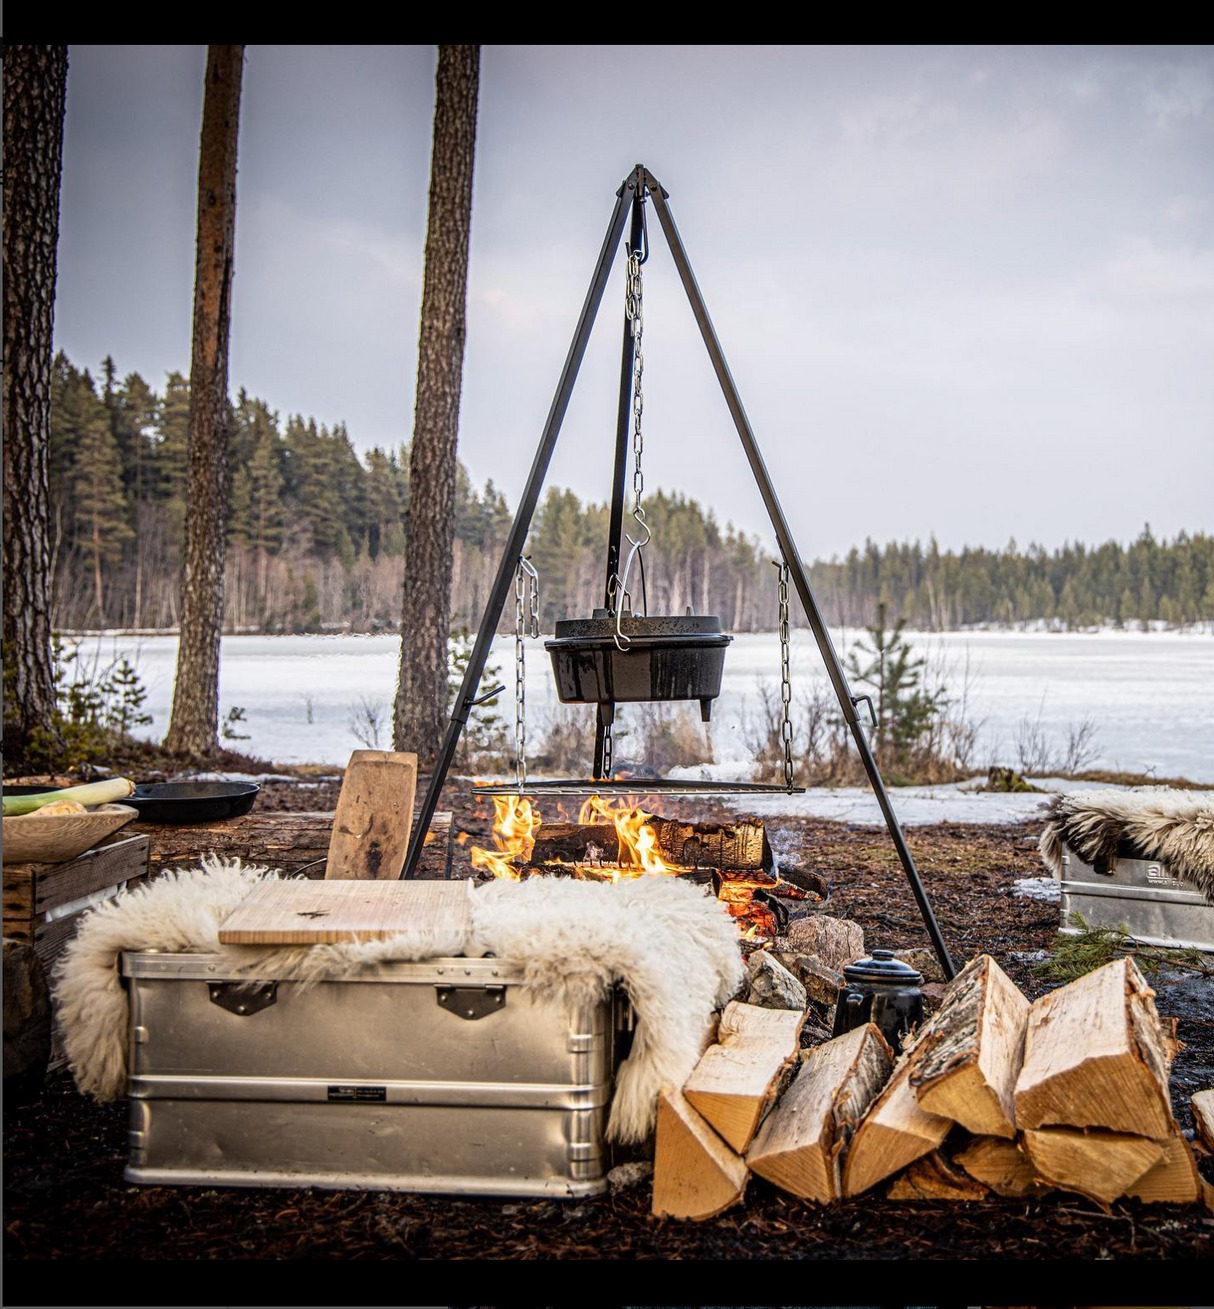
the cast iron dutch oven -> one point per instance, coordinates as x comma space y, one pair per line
676, 658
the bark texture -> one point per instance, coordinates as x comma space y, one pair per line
421, 693
194, 725
35, 89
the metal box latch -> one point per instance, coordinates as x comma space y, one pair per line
241, 999
471, 1001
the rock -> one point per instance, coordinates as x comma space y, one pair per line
27, 1022
922, 961
772, 986
835, 942
623, 1176
821, 983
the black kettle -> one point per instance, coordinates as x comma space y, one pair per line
881, 990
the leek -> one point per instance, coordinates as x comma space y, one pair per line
92, 793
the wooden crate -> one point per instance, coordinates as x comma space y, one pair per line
43, 902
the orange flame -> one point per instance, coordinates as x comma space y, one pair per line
515, 823
638, 840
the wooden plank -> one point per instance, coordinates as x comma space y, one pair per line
695, 1174
374, 816
736, 1080
800, 1145
970, 1054
1097, 1054
1101, 1165
301, 912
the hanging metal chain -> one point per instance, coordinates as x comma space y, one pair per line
526, 623
785, 673
607, 750
634, 311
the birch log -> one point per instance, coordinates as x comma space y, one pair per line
969, 1058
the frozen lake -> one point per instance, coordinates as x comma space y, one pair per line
1150, 695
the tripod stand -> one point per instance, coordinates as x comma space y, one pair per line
637, 187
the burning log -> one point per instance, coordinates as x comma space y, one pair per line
737, 1079
969, 1058
1101, 1165
1003, 1166
800, 1144
1097, 1054
738, 847
695, 1174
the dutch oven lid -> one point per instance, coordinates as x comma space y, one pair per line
881, 966
695, 629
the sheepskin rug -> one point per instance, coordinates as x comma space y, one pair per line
1174, 827
669, 943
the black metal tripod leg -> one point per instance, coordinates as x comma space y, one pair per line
521, 525
796, 568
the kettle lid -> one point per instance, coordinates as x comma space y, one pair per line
882, 966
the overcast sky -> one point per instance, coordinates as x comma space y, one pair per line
961, 291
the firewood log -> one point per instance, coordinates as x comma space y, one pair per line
1203, 1117
895, 1132
1173, 1180
934, 1178
1101, 1165
1097, 1054
800, 1144
1003, 1166
737, 1080
695, 1174
969, 1057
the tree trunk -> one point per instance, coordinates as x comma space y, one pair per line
35, 90
421, 693
194, 726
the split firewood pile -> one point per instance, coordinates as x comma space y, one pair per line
992, 1096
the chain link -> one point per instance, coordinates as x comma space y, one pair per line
785, 673
526, 623
635, 309
607, 750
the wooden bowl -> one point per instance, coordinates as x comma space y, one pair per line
56, 838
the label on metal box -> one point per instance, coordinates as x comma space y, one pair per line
349, 1093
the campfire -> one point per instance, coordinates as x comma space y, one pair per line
613, 839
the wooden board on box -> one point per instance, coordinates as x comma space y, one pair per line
303, 912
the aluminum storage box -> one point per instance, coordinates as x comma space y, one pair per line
438, 1076
1140, 895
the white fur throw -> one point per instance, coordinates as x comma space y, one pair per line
671, 945
1174, 827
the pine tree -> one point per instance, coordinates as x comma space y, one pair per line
96, 483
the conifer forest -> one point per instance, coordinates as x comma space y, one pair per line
317, 534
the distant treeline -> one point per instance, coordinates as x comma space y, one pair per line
317, 537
